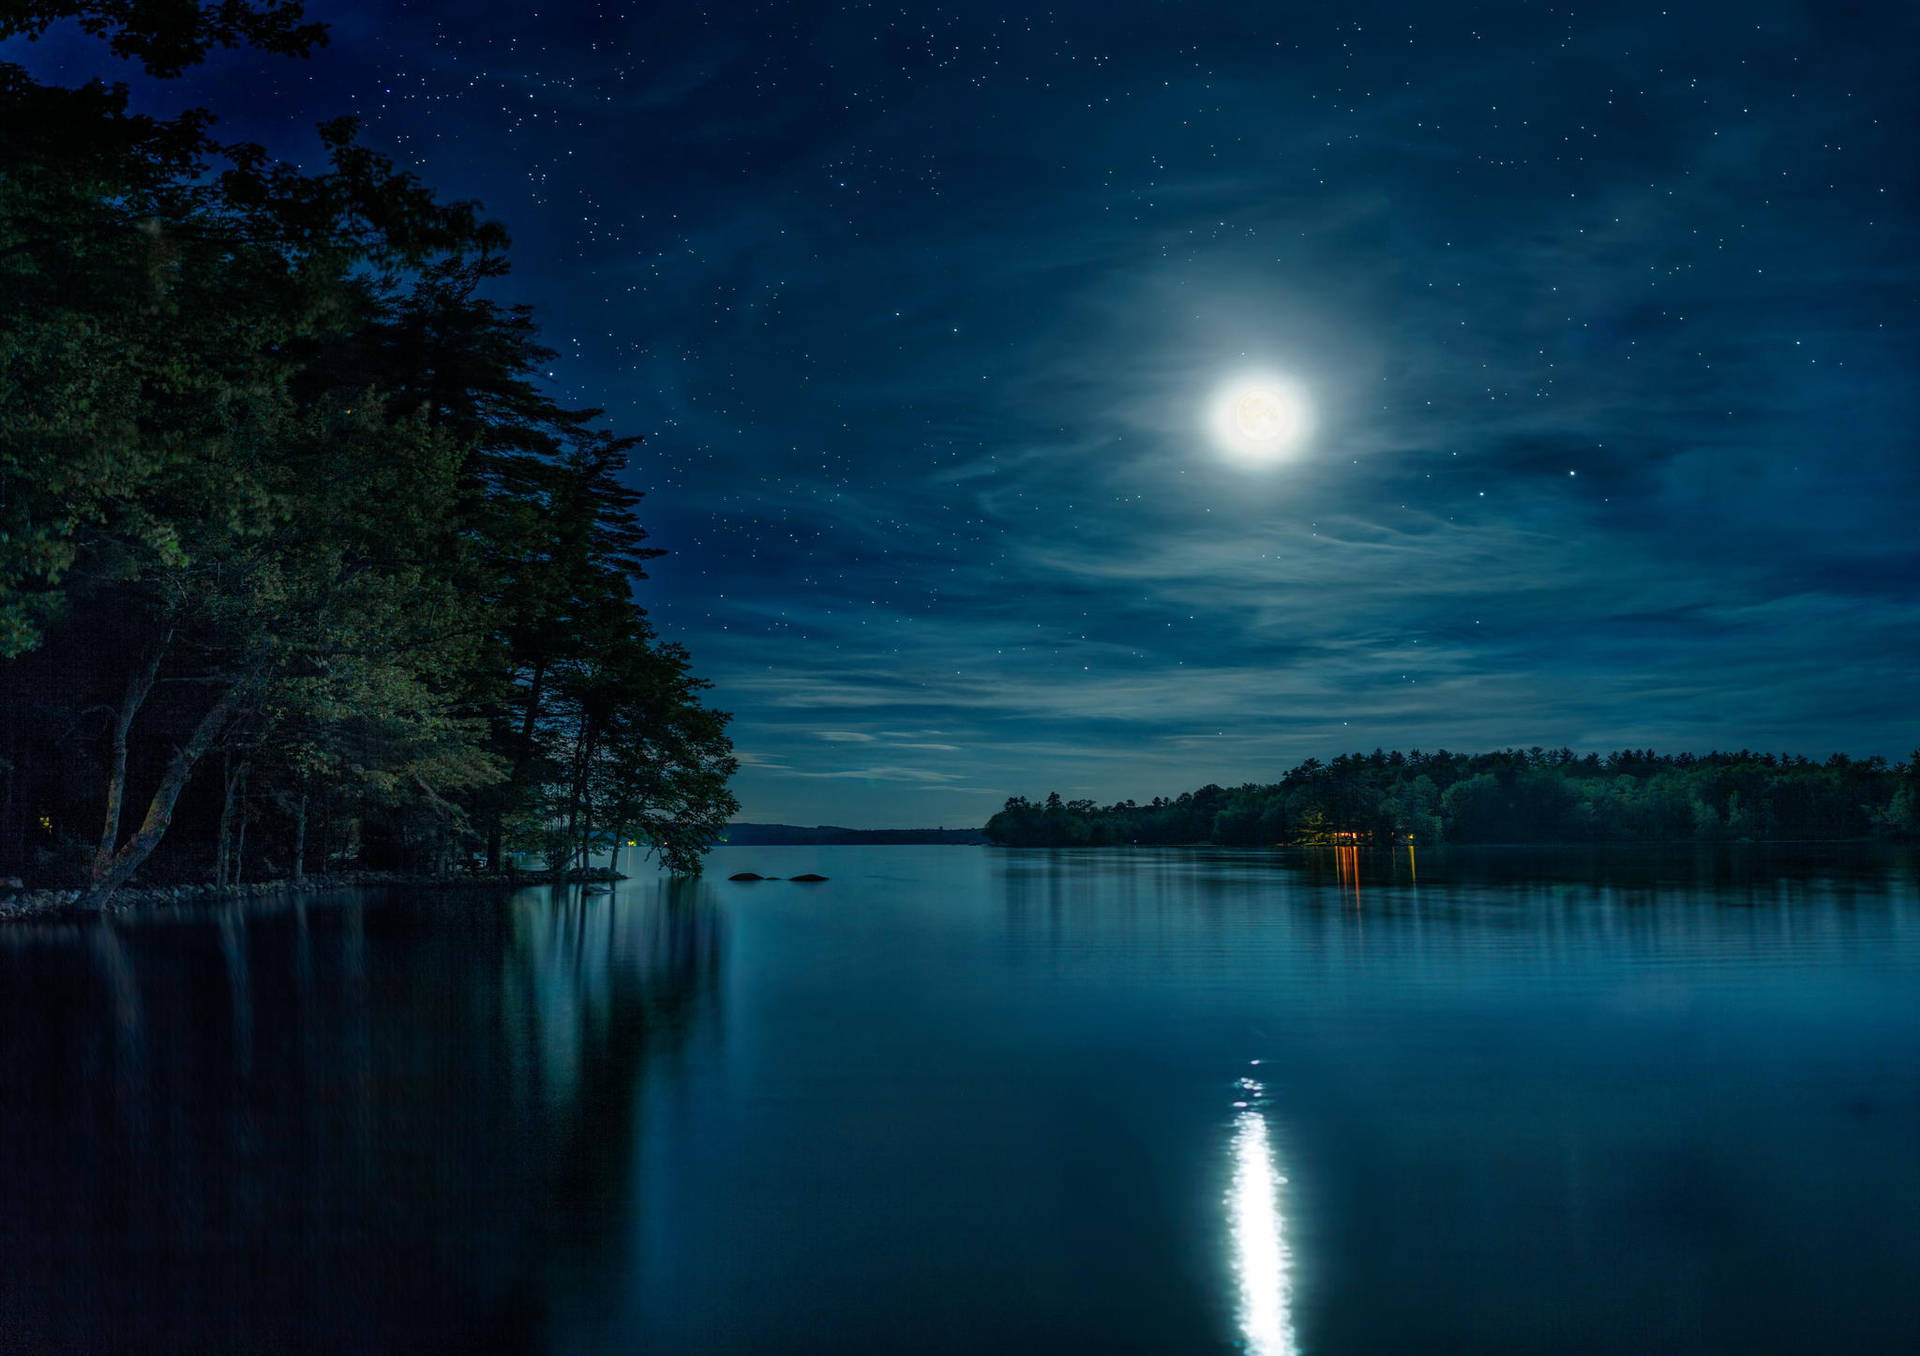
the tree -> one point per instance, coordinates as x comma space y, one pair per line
280, 490
1506, 796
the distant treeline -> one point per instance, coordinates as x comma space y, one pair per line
791, 835
302, 566
1514, 796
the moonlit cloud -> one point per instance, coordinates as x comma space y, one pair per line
879, 774
1613, 420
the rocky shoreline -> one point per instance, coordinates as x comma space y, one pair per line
44, 904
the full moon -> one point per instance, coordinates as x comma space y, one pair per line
1257, 419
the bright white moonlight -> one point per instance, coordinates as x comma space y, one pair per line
1258, 419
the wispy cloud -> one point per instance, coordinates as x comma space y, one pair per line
878, 774
1614, 420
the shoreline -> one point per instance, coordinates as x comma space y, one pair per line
1443, 845
56, 904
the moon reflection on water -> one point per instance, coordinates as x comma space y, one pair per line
1262, 1261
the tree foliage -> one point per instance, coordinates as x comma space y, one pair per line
1513, 796
280, 490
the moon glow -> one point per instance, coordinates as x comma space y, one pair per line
1257, 419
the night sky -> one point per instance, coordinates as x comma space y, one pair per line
1606, 318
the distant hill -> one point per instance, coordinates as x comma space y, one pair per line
794, 835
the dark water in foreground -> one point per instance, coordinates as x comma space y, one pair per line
966, 1100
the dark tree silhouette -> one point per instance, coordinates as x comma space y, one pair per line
281, 493
1511, 796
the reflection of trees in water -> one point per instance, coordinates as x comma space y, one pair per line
331, 1126
1152, 903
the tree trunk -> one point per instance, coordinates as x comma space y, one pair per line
522, 755
523, 750
240, 844
13, 838
223, 841
577, 787
586, 795
300, 839
139, 687
233, 810
128, 858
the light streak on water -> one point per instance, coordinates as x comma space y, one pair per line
1262, 1261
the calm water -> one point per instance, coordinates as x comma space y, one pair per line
967, 1100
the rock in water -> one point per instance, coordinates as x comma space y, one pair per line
748, 875
808, 876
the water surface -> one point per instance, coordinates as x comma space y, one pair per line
960, 1100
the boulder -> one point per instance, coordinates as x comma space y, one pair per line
808, 876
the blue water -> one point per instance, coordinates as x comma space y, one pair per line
966, 1100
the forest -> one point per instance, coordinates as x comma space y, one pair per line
1513, 796
302, 566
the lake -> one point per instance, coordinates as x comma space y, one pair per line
981, 1100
